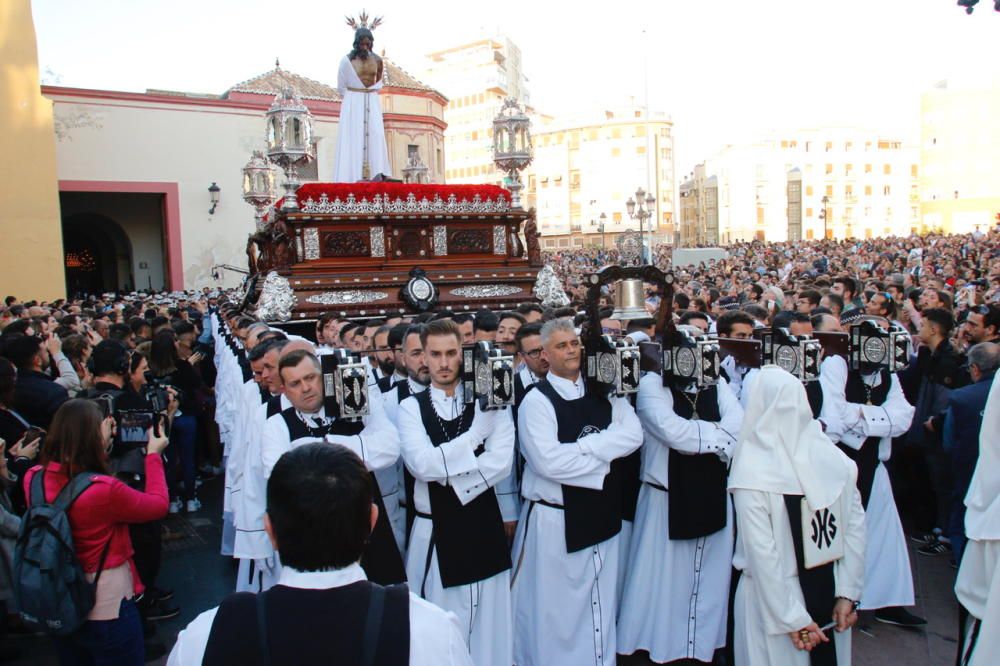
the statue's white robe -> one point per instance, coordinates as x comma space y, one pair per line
351, 130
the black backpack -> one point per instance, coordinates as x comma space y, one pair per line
50, 586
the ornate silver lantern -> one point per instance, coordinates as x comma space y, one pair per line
289, 140
415, 170
258, 185
512, 151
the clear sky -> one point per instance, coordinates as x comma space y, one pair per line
726, 70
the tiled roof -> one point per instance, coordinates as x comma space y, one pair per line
272, 82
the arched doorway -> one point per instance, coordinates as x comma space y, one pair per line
97, 255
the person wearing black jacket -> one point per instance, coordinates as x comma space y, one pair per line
37, 396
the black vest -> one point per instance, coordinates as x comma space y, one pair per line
592, 516
470, 540
520, 390
814, 391
402, 393
274, 405
384, 384
866, 458
631, 477
310, 627
381, 560
818, 588
697, 483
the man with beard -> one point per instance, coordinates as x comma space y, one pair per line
458, 557
417, 380
384, 358
361, 149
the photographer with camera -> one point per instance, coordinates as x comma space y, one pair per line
37, 396
112, 365
78, 442
169, 369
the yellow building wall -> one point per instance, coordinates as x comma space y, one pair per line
31, 261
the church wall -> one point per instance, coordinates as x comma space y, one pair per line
31, 256
109, 136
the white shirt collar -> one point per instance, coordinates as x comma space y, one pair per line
321, 580
566, 388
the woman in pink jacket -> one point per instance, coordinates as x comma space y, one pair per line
79, 441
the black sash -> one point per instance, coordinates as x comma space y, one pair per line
592, 516
866, 458
520, 390
381, 560
815, 394
402, 393
697, 483
470, 541
818, 587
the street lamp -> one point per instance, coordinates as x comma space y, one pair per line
825, 214
600, 227
641, 208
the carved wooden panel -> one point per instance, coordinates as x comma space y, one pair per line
409, 244
470, 241
346, 244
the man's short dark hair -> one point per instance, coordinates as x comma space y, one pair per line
991, 317
724, 324
786, 318
440, 327
74, 347
109, 358
21, 349
940, 317
690, 315
534, 328
565, 311
119, 331
526, 308
263, 348
836, 300
811, 295
682, 300
319, 501
396, 335
485, 320
413, 329
462, 318
516, 316
18, 327
182, 327
850, 284
348, 328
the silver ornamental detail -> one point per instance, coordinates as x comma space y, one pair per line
486, 290
383, 204
378, 241
440, 241
549, 290
311, 240
499, 239
276, 299
347, 297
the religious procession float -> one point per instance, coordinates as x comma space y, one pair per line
370, 245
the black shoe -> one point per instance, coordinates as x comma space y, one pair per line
162, 611
935, 548
161, 593
924, 539
900, 617
154, 651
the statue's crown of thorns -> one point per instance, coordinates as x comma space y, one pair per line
362, 21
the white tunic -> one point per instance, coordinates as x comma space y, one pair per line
888, 578
483, 608
769, 603
397, 516
435, 635
677, 591
351, 128
978, 590
565, 603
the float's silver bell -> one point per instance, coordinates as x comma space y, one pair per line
630, 301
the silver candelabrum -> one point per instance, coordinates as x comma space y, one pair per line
512, 151
289, 140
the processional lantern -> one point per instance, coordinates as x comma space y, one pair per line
258, 185
512, 150
289, 140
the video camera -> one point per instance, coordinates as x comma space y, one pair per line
488, 376
345, 385
154, 391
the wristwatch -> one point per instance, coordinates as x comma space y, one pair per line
854, 604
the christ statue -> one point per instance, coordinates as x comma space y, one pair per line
361, 148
